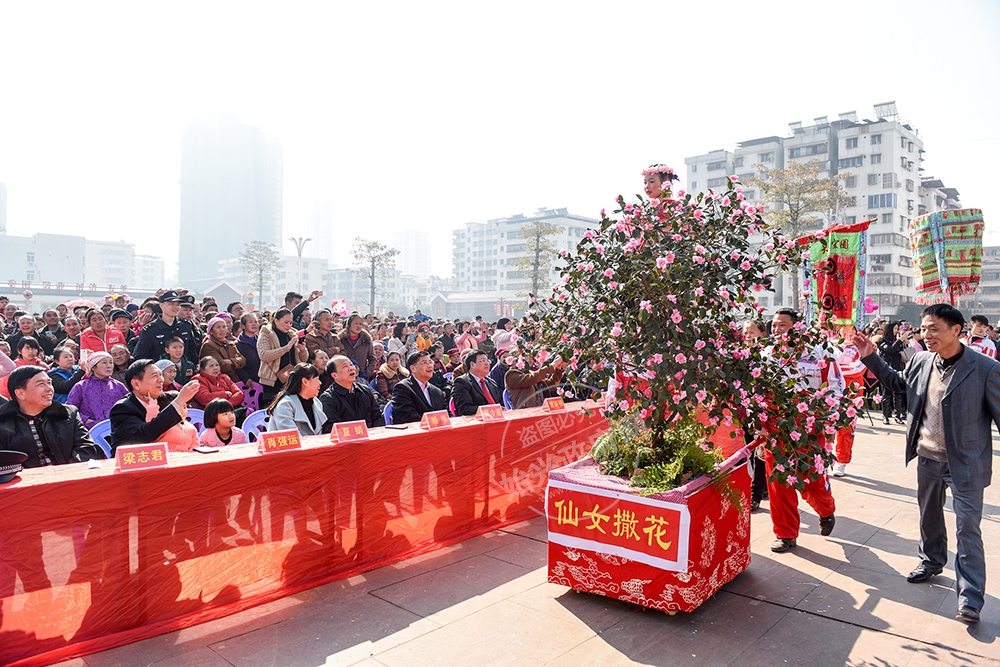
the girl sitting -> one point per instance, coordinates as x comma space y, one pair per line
220, 425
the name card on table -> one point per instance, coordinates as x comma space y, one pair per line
349, 431
490, 413
554, 404
435, 420
278, 441
141, 457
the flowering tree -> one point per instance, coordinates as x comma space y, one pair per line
653, 300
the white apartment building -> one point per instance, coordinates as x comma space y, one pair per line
986, 300
484, 254
150, 273
882, 158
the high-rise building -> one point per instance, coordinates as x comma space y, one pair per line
882, 158
414, 252
231, 190
485, 254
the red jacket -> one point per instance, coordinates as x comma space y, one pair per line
91, 341
216, 387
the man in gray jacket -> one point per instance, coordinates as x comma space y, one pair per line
953, 400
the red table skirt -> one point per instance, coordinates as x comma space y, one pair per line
90, 559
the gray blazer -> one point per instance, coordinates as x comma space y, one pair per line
970, 407
289, 415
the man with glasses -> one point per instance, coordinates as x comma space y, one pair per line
414, 396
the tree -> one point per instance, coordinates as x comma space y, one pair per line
376, 264
539, 253
801, 200
260, 260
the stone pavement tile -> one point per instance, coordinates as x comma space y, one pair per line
982, 639
875, 600
785, 579
337, 633
73, 662
527, 553
501, 634
886, 552
202, 657
535, 529
714, 634
933, 656
595, 611
451, 592
189, 639
595, 652
806, 640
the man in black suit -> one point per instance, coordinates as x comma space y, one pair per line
348, 400
474, 388
131, 423
414, 396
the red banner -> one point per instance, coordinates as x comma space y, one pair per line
640, 529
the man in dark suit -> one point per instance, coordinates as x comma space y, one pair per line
953, 400
414, 396
474, 388
347, 400
131, 420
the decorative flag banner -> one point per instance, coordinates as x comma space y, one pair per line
640, 529
947, 254
835, 272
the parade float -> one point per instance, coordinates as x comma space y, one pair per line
650, 305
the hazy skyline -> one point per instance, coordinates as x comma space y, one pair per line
431, 115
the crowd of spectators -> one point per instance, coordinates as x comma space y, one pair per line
142, 365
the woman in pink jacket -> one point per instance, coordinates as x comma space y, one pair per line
213, 383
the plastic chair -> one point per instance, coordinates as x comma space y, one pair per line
387, 414
255, 424
197, 419
507, 403
101, 433
251, 394
449, 376
374, 385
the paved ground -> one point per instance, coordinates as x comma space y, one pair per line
841, 600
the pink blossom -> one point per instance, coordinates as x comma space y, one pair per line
623, 405
795, 435
590, 233
852, 413
645, 305
698, 259
650, 374
802, 407
601, 306
661, 263
698, 344
700, 249
792, 479
613, 284
734, 178
609, 273
676, 316
677, 237
755, 372
779, 467
672, 298
745, 265
697, 214
658, 358
726, 202
670, 257
616, 330
701, 395
680, 358
698, 291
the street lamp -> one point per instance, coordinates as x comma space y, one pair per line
300, 243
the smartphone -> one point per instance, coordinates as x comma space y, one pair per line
302, 334
203, 449
397, 427
83, 355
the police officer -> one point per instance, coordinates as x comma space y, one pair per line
153, 339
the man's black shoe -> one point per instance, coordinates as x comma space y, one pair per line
826, 524
968, 614
921, 574
885, 420
754, 506
781, 545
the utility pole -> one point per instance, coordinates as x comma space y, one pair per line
300, 243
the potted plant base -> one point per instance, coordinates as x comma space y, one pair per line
669, 551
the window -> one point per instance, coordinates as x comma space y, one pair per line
902, 142
716, 166
909, 185
909, 146
694, 169
520, 247
876, 139
852, 201
738, 162
749, 194
851, 219
887, 218
694, 185
852, 142
765, 157
905, 261
876, 158
848, 162
716, 182
852, 182
880, 259
802, 151
888, 180
514, 235
887, 200
31, 275
31, 257
872, 179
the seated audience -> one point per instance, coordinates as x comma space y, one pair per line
280, 350
358, 345
213, 383
296, 406
414, 396
529, 389
474, 388
49, 432
175, 353
217, 345
169, 375
65, 373
348, 400
97, 392
388, 375
220, 425
322, 337
121, 358
141, 417
98, 337
53, 331
246, 343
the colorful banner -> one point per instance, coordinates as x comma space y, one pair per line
835, 272
947, 253
641, 529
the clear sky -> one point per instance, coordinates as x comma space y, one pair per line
432, 114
